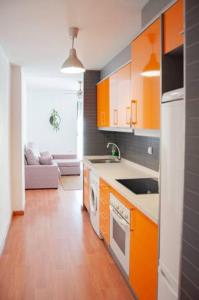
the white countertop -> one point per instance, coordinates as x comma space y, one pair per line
109, 172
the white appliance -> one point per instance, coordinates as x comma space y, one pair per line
120, 232
94, 201
171, 192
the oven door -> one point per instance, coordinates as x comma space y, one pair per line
120, 239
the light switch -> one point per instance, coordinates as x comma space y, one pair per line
150, 150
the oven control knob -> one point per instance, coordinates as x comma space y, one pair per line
117, 206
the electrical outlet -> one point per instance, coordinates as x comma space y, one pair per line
150, 150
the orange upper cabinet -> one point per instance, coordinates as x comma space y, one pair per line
173, 24
120, 100
103, 103
145, 74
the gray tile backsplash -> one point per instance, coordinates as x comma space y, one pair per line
190, 244
94, 140
134, 148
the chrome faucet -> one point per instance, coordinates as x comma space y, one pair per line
116, 146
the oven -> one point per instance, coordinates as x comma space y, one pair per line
120, 232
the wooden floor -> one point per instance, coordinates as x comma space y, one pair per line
52, 253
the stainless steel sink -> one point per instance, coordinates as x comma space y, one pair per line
104, 160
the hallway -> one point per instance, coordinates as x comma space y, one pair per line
52, 253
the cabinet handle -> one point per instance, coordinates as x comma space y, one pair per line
128, 115
134, 112
182, 32
115, 117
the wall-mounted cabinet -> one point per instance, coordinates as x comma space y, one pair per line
173, 52
120, 98
146, 85
103, 96
173, 27
130, 98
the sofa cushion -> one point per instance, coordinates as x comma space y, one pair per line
34, 148
31, 157
67, 162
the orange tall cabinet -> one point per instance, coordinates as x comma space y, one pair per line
143, 256
145, 102
103, 118
173, 25
86, 188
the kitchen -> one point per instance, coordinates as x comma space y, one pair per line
132, 232
135, 200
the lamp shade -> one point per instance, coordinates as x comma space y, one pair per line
152, 69
72, 65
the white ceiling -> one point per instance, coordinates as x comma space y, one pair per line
34, 33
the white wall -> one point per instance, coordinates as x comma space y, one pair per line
40, 103
5, 182
17, 144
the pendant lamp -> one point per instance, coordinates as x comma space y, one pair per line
72, 64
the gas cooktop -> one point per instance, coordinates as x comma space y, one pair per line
141, 185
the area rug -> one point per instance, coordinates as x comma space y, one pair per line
72, 182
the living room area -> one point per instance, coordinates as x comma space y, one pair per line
53, 118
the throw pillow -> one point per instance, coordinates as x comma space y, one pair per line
45, 160
46, 154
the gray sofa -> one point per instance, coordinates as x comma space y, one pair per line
47, 176
41, 176
68, 164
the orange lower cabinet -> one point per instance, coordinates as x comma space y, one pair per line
86, 188
144, 257
104, 211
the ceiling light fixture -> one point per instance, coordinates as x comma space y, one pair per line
72, 64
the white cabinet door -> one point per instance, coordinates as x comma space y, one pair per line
124, 102
120, 100
114, 101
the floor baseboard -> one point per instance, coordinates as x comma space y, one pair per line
4, 236
18, 213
